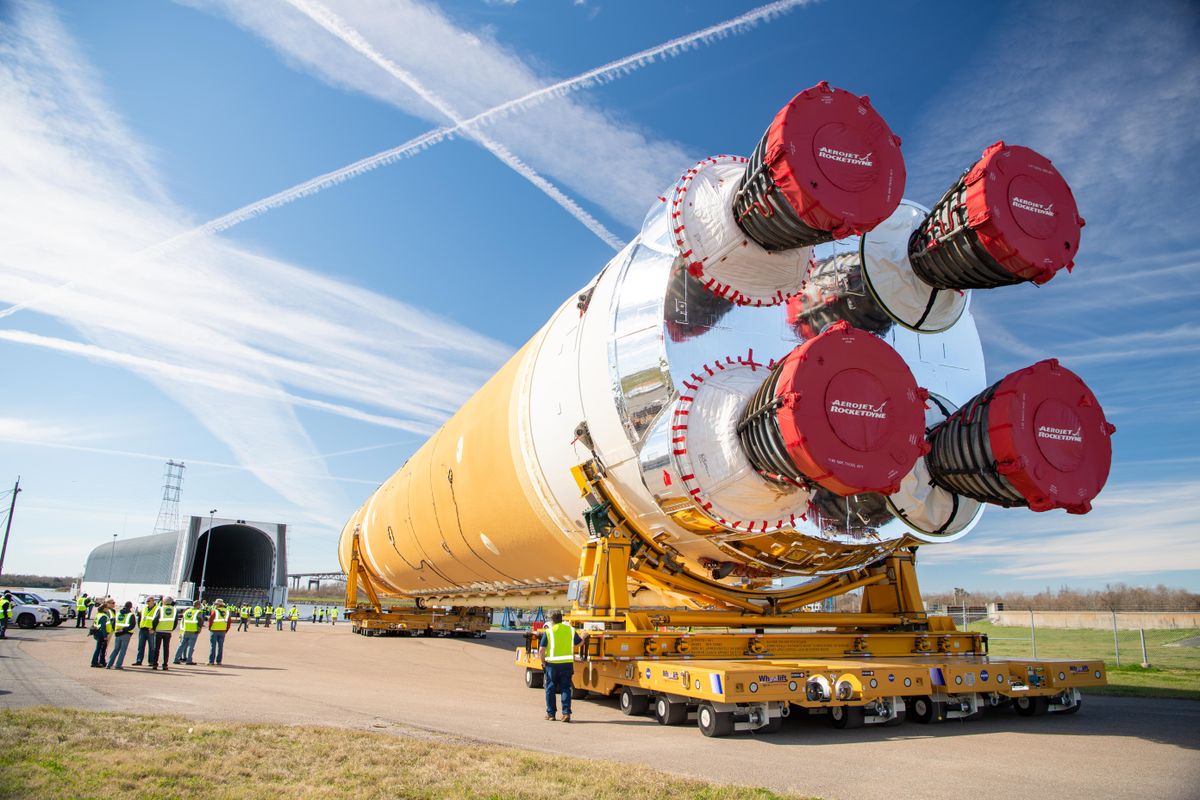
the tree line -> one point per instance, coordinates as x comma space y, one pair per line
1113, 597
36, 582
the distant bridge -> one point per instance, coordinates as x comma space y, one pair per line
314, 578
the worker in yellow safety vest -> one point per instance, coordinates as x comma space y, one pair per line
6, 612
257, 614
163, 622
102, 628
218, 625
557, 643
192, 621
127, 620
244, 618
145, 632
81, 610
294, 617
278, 618
333, 616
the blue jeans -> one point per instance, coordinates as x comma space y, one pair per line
3, 627
120, 645
98, 653
216, 646
558, 682
145, 640
187, 644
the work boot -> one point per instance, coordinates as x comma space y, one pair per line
550, 717
566, 718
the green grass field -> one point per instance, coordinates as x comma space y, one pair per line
1173, 672
51, 753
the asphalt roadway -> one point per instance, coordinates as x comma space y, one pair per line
471, 689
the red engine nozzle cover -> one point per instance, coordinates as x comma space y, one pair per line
1050, 438
851, 414
1023, 212
836, 161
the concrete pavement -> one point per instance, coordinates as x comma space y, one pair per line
1114, 748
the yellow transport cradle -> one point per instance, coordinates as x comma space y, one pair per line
720, 666
373, 619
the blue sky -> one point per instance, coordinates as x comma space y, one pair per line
296, 358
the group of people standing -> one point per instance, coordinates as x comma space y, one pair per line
156, 619
155, 622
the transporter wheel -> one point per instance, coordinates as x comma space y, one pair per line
26, 621
534, 678
847, 716
1073, 709
633, 704
1031, 706
926, 711
713, 722
668, 713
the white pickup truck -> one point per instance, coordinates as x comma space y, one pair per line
59, 610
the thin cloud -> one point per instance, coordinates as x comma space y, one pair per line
612, 71
1136, 529
353, 39
238, 339
487, 83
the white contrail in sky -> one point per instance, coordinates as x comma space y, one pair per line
604, 74
338, 28
225, 382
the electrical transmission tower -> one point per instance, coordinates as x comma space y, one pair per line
168, 512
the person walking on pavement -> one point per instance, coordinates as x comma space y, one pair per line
162, 623
145, 632
101, 629
333, 616
557, 643
244, 618
218, 624
278, 618
257, 614
191, 620
6, 607
122, 632
294, 616
81, 610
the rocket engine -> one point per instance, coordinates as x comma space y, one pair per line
779, 376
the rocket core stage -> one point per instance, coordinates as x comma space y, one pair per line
760, 375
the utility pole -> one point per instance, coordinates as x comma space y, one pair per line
207, 547
8, 526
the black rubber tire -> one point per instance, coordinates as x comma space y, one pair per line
633, 705
1031, 706
847, 716
55, 618
26, 621
924, 710
897, 720
577, 693
1073, 709
534, 678
714, 723
668, 713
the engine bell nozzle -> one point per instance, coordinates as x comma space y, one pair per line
1010, 218
827, 167
841, 411
1036, 438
